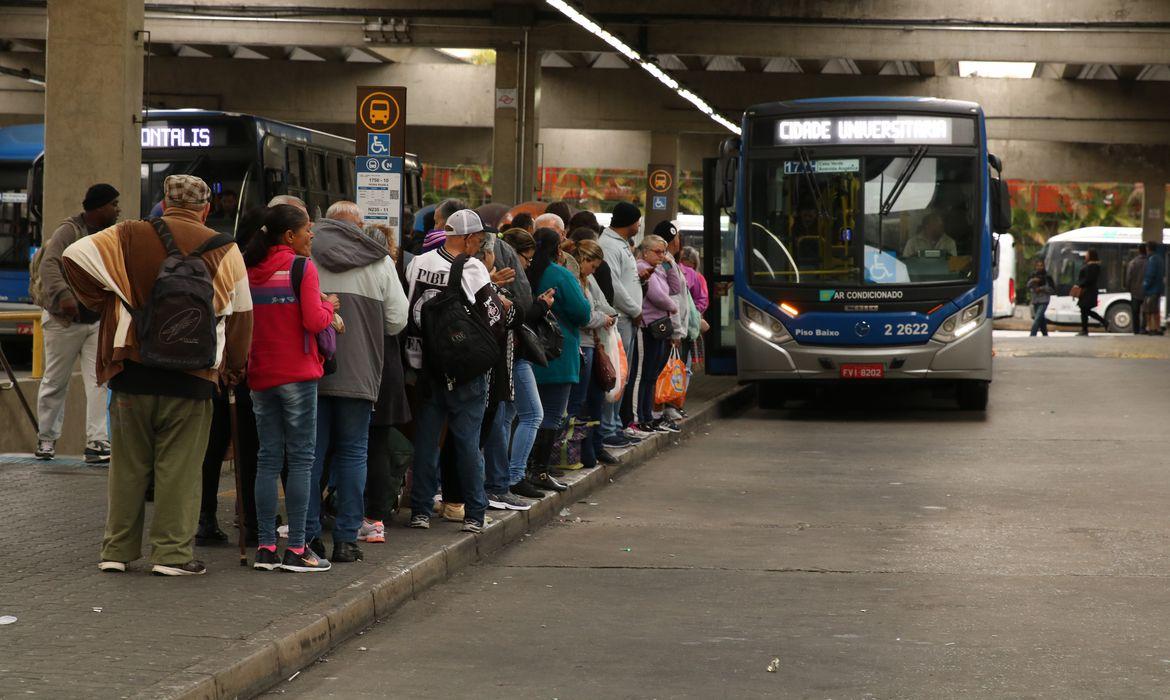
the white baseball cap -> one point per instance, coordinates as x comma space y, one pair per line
463, 223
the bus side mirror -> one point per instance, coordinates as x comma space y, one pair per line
727, 172
1001, 206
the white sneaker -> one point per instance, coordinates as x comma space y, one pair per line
635, 433
372, 531
46, 449
672, 413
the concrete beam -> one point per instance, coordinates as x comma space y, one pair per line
1081, 162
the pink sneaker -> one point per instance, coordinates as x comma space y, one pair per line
371, 531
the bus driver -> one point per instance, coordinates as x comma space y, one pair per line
931, 236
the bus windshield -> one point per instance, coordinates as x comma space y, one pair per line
224, 177
871, 220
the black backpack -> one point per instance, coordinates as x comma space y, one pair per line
458, 345
177, 326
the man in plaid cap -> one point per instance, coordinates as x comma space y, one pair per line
159, 418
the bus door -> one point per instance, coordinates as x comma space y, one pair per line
719, 270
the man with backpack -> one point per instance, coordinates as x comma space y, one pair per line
176, 320
454, 337
359, 270
70, 330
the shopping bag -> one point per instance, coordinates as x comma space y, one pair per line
671, 387
612, 346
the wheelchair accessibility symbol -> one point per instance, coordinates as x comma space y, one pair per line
378, 144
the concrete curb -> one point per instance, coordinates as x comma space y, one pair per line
284, 648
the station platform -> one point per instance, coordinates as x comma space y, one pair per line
235, 631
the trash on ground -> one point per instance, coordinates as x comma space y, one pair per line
626, 549
97, 609
290, 678
362, 649
564, 512
7, 620
774, 666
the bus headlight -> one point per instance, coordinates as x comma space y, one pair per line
962, 323
762, 324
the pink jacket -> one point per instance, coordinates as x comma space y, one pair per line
284, 345
698, 286
656, 302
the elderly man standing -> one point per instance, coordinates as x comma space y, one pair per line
359, 270
70, 330
161, 417
627, 299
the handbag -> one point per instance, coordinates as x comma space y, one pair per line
604, 373
1075, 292
548, 330
530, 347
661, 329
326, 339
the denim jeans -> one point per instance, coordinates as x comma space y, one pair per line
1039, 323
495, 452
653, 360
344, 425
286, 423
462, 408
555, 399
585, 402
580, 390
611, 423
529, 413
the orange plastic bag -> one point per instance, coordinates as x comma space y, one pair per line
671, 387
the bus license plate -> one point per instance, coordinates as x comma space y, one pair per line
867, 371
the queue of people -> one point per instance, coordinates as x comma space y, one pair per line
476, 365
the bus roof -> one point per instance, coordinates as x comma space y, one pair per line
21, 143
1105, 234
865, 104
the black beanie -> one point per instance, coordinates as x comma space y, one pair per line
624, 214
666, 230
98, 196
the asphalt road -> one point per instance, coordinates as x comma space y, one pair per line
878, 545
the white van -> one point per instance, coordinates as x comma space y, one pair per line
1064, 255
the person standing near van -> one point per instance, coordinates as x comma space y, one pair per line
1135, 280
1041, 285
1089, 281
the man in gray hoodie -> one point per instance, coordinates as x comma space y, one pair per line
356, 268
627, 299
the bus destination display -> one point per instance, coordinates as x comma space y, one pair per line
166, 136
893, 129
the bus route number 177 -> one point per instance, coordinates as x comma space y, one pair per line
907, 328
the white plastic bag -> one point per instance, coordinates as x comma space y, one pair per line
611, 345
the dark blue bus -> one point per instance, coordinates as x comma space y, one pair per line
863, 244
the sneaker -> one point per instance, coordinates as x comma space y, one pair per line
670, 425
438, 506
473, 526
544, 481
652, 427
618, 441
266, 560
372, 531
420, 522
317, 546
605, 457
112, 566
506, 501
671, 413
344, 553
97, 453
453, 512
305, 563
525, 489
191, 568
209, 534
636, 434
46, 449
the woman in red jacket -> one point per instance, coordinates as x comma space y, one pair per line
283, 370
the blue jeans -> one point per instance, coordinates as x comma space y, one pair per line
580, 391
529, 413
555, 399
1039, 323
462, 409
286, 423
495, 451
344, 425
611, 422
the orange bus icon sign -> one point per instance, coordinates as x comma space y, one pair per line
379, 112
660, 181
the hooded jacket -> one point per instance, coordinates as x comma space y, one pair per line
660, 288
284, 345
358, 269
623, 268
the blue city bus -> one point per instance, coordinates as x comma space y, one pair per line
246, 160
863, 244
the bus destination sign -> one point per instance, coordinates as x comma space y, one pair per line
168, 136
893, 129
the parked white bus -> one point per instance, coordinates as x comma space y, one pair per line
1064, 255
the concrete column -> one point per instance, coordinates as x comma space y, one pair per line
516, 125
1153, 210
663, 155
93, 100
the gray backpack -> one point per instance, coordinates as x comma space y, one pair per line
177, 326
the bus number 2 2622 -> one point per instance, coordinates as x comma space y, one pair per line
907, 328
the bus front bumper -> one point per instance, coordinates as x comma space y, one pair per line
968, 357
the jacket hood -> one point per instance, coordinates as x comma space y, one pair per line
280, 257
339, 246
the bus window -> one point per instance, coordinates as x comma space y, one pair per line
333, 178
317, 172
296, 167
1064, 263
224, 177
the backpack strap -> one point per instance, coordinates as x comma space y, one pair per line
297, 274
455, 277
164, 235
217, 241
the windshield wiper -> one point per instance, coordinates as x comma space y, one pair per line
812, 182
902, 181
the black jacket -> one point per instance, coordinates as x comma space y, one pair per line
1088, 281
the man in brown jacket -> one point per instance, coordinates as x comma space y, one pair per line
159, 418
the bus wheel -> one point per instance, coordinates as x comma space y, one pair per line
973, 394
1120, 317
771, 395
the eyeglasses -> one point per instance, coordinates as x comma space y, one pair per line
528, 256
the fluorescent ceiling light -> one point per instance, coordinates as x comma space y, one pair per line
997, 69
624, 49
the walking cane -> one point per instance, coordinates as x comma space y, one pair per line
236, 469
16, 385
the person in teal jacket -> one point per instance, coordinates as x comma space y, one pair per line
555, 382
